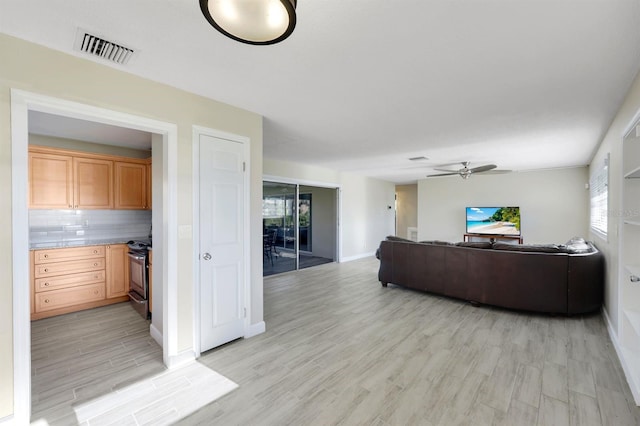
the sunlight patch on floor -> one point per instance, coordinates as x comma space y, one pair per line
159, 400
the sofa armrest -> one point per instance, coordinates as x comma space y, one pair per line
585, 283
385, 253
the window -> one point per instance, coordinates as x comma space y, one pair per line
599, 195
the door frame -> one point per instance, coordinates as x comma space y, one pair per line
21, 103
336, 186
246, 221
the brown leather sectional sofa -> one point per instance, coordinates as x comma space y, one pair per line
551, 279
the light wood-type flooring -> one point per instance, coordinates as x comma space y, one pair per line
341, 349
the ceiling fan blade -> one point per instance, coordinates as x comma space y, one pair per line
481, 169
445, 170
498, 172
444, 174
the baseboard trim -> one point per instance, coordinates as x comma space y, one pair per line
181, 359
155, 334
356, 257
625, 367
255, 329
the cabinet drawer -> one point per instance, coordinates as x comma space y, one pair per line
73, 253
68, 297
62, 268
71, 280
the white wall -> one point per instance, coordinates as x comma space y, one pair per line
554, 204
366, 216
157, 219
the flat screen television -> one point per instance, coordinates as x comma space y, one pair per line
493, 220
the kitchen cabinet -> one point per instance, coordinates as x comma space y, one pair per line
72, 279
92, 183
60, 180
117, 270
131, 186
50, 181
149, 185
65, 179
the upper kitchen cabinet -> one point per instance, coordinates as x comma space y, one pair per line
60, 180
149, 185
64, 179
131, 186
93, 183
50, 181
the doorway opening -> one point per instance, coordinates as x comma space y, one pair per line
300, 224
22, 103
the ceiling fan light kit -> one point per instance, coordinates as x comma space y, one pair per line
257, 22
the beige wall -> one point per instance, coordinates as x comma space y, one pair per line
406, 208
554, 204
612, 143
367, 204
95, 148
44, 71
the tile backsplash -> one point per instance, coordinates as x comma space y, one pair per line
81, 225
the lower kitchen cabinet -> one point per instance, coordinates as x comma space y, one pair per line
72, 279
117, 283
64, 298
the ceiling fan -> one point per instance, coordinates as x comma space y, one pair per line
465, 171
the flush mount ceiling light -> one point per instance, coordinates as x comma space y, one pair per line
252, 21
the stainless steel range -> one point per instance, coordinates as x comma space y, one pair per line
139, 277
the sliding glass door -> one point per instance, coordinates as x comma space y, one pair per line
279, 225
290, 214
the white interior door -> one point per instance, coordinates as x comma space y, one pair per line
221, 241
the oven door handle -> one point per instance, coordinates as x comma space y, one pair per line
136, 256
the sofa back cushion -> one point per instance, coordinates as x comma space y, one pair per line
475, 244
536, 248
437, 243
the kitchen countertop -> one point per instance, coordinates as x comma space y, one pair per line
81, 243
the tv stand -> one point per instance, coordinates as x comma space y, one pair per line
493, 238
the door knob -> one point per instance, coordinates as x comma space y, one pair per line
206, 256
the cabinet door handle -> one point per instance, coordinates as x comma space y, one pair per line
46, 284
96, 251
46, 269
95, 264
46, 255
634, 278
46, 300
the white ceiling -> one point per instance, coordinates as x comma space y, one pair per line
362, 85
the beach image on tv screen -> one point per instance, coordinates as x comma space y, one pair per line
493, 220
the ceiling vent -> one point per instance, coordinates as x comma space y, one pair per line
102, 48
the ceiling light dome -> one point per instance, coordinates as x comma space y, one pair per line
252, 21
